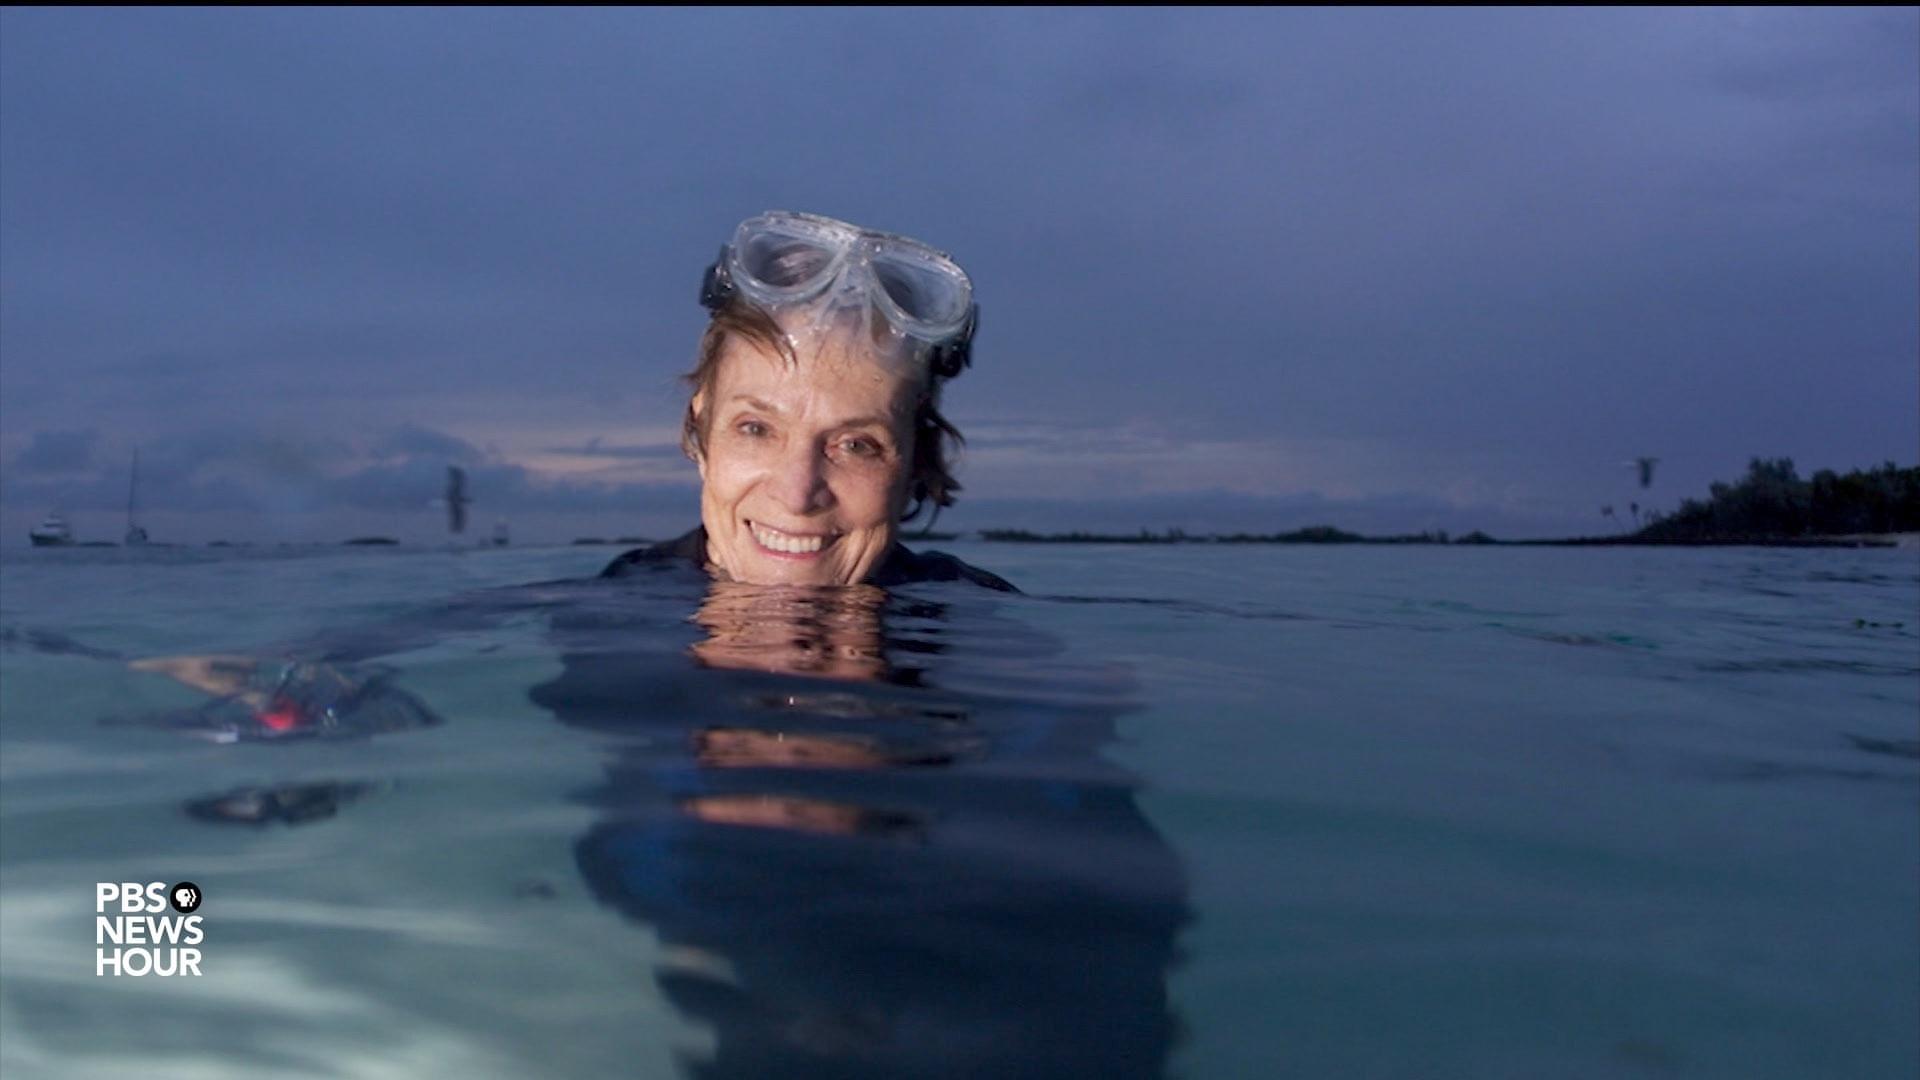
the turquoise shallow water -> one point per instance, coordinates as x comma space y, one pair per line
1273, 811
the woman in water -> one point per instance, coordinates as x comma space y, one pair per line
815, 414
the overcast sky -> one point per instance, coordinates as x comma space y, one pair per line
1389, 270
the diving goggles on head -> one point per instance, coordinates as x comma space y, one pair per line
789, 263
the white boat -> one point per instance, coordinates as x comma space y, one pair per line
136, 534
53, 532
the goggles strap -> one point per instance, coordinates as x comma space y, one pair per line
716, 287
953, 357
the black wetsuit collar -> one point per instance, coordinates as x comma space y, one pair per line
900, 567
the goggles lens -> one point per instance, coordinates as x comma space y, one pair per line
932, 294
786, 259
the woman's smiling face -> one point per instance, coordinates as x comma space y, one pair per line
805, 466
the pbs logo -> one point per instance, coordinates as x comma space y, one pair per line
185, 897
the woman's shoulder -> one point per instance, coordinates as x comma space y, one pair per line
690, 548
904, 567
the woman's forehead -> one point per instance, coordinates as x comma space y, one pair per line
834, 377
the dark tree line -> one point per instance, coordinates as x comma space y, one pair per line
1313, 534
1773, 501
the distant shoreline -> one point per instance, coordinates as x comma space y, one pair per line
1859, 540
1312, 537
1334, 536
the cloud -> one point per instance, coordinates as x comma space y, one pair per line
1790, 56
399, 470
57, 452
597, 448
410, 441
1146, 457
496, 488
1227, 512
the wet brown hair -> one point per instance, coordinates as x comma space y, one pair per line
931, 483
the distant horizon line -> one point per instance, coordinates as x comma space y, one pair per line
1321, 535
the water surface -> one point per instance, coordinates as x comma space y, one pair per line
1420, 812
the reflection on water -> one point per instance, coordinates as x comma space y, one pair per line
854, 869
288, 804
289, 702
833, 635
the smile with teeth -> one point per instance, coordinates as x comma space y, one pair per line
785, 543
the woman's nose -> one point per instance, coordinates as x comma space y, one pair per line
800, 480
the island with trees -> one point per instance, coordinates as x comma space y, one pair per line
1772, 502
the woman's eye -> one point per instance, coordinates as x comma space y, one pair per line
753, 429
861, 446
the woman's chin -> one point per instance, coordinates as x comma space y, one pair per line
785, 577
760, 567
